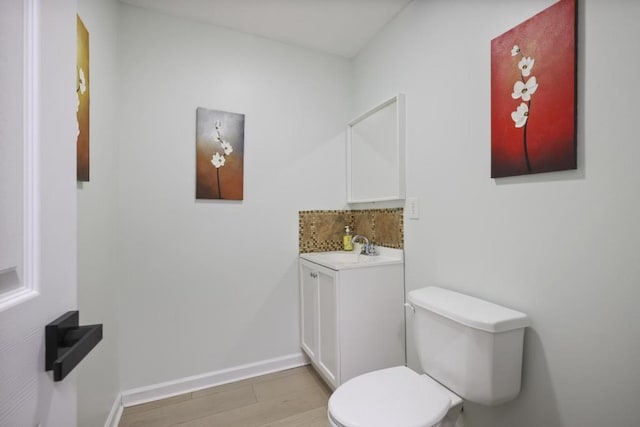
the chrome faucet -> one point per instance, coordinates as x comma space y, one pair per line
367, 248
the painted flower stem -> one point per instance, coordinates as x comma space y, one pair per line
218, 179
526, 150
218, 160
524, 89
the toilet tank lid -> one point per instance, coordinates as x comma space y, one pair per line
468, 310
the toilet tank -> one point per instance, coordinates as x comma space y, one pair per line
471, 346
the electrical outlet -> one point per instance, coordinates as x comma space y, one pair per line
413, 208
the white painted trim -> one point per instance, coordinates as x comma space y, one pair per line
16, 297
399, 192
116, 412
198, 382
31, 158
29, 286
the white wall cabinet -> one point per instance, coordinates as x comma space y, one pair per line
352, 320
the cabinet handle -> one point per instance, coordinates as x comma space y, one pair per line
314, 275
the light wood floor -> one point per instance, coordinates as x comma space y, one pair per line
291, 398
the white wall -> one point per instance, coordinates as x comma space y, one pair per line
208, 285
98, 380
561, 247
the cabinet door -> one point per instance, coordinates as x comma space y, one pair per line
309, 310
328, 327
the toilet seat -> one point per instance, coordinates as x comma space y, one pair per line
396, 397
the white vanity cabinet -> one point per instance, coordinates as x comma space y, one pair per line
318, 322
352, 320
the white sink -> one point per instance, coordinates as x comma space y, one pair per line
341, 257
341, 260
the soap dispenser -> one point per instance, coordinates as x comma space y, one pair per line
347, 243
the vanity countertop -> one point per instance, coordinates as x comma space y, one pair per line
343, 260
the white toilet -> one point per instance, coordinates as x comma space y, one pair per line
468, 348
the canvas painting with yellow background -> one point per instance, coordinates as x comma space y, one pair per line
82, 90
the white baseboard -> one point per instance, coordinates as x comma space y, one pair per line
198, 382
116, 412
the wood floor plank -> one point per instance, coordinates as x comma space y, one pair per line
292, 398
259, 413
313, 418
278, 387
254, 380
181, 412
156, 404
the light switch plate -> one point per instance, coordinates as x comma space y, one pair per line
413, 208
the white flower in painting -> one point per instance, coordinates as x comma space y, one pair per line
521, 115
82, 83
217, 160
218, 125
515, 50
228, 149
216, 137
525, 65
525, 90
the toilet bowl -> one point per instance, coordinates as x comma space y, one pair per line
393, 397
468, 349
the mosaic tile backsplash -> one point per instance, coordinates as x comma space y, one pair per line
321, 231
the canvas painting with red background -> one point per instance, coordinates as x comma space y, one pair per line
533, 94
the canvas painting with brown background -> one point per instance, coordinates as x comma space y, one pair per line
219, 154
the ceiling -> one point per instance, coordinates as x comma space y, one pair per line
339, 27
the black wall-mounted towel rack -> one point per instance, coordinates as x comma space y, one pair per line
67, 343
